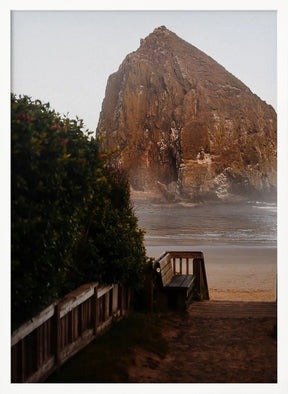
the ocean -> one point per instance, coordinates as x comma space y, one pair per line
253, 223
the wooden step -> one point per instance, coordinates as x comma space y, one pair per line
233, 309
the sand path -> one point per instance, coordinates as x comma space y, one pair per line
215, 342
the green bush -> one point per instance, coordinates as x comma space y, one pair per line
71, 217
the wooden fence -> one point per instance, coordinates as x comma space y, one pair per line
44, 343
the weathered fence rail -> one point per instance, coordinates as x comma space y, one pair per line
45, 342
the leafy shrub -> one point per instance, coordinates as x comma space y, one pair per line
71, 217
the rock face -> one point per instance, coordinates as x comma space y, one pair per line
183, 126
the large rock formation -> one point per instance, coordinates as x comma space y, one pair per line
184, 126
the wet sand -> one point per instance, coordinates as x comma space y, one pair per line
235, 273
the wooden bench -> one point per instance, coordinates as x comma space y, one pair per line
175, 291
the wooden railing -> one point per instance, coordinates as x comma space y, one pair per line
45, 342
186, 263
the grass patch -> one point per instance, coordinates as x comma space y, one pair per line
107, 358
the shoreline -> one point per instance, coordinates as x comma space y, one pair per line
235, 272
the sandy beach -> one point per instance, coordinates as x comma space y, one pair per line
235, 273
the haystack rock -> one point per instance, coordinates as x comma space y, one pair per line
185, 128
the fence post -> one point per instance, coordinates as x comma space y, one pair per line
115, 298
38, 347
72, 326
198, 267
80, 319
22, 352
106, 306
58, 335
96, 309
198, 273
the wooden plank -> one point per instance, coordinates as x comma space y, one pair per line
104, 326
174, 265
176, 281
106, 307
39, 346
166, 280
74, 322
186, 254
58, 334
164, 256
43, 371
22, 363
74, 347
85, 312
32, 324
205, 283
45, 341
71, 326
165, 268
80, 319
80, 295
111, 302
234, 309
184, 281
15, 363
48, 341
197, 273
62, 324
165, 263
160, 257
201, 281
95, 309
115, 299
76, 297
101, 309
188, 281
104, 289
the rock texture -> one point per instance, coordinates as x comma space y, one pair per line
185, 127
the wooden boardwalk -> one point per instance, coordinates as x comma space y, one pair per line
233, 309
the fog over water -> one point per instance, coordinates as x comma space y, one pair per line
248, 224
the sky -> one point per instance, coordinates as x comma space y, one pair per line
66, 57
